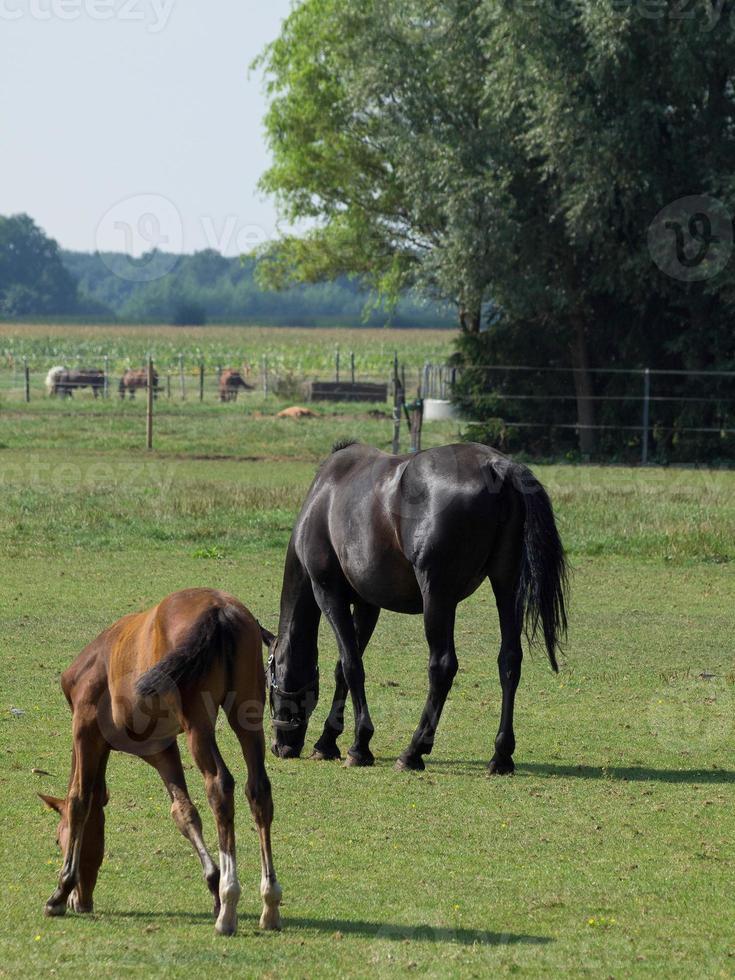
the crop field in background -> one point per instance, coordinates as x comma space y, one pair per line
302, 351
609, 853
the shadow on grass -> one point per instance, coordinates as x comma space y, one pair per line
632, 774
378, 931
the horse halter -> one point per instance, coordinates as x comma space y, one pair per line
298, 720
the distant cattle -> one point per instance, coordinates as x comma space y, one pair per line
132, 381
230, 383
62, 382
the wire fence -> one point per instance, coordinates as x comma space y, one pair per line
640, 412
190, 379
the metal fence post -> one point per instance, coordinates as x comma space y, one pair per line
646, 414
27, 379
336, 365
352, 366
201, 381
106, 388
265, 376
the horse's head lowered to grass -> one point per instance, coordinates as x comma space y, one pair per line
293, 693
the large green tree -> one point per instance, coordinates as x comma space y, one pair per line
514, 152
33, 280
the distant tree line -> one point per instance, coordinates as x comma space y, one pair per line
38, 279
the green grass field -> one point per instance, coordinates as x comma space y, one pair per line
608, 854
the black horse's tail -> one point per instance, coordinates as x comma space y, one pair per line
214, 635
544, 574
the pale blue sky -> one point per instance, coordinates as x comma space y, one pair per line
145, 102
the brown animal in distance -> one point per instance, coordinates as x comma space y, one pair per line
134, 689
133, 381
230, 383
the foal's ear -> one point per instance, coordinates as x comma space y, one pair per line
268, 637
54, 803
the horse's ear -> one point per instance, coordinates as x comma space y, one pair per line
54, 803
268, 637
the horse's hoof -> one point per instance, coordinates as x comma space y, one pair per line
270, 920
359, 760
410, 764
501, 767
325, 754
54, 910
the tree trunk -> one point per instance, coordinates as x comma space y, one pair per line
470, 320
584, 388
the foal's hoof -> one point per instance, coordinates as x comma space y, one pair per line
500, 767
74, 904
410, 763
325, 753
364, 759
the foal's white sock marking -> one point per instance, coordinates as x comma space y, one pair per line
270, 892
229, 894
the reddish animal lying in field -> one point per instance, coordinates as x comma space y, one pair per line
134, 689
131, 381
230, 383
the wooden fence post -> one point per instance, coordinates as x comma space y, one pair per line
352, 366
265, 376
182, 382
201, 381
336, 365
397, 406
106, 388
149, 407
27, 379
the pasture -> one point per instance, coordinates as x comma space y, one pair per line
609, 853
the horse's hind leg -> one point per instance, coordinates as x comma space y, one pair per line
365, 618
509, 667
258, 791
439, 618
220, 788
90, 751
185, 815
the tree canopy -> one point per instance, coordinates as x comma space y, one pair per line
512, 157
33, 279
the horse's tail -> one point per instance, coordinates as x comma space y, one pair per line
212, 637
544, 577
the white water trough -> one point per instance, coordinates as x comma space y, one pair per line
440, 410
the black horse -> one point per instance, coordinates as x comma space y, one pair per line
414, 534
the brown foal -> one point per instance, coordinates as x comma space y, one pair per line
134, 689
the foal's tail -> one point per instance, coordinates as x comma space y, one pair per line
214, 635
544, 578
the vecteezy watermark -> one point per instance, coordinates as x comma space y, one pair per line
141, 237
692, 713
416, 22
153, 14
691, 239
148, 229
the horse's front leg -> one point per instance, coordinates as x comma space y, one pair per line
509, 668
337, 612
365, 618
439, 627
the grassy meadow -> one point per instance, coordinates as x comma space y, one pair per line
609, 853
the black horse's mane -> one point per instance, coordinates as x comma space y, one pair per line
343, 444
